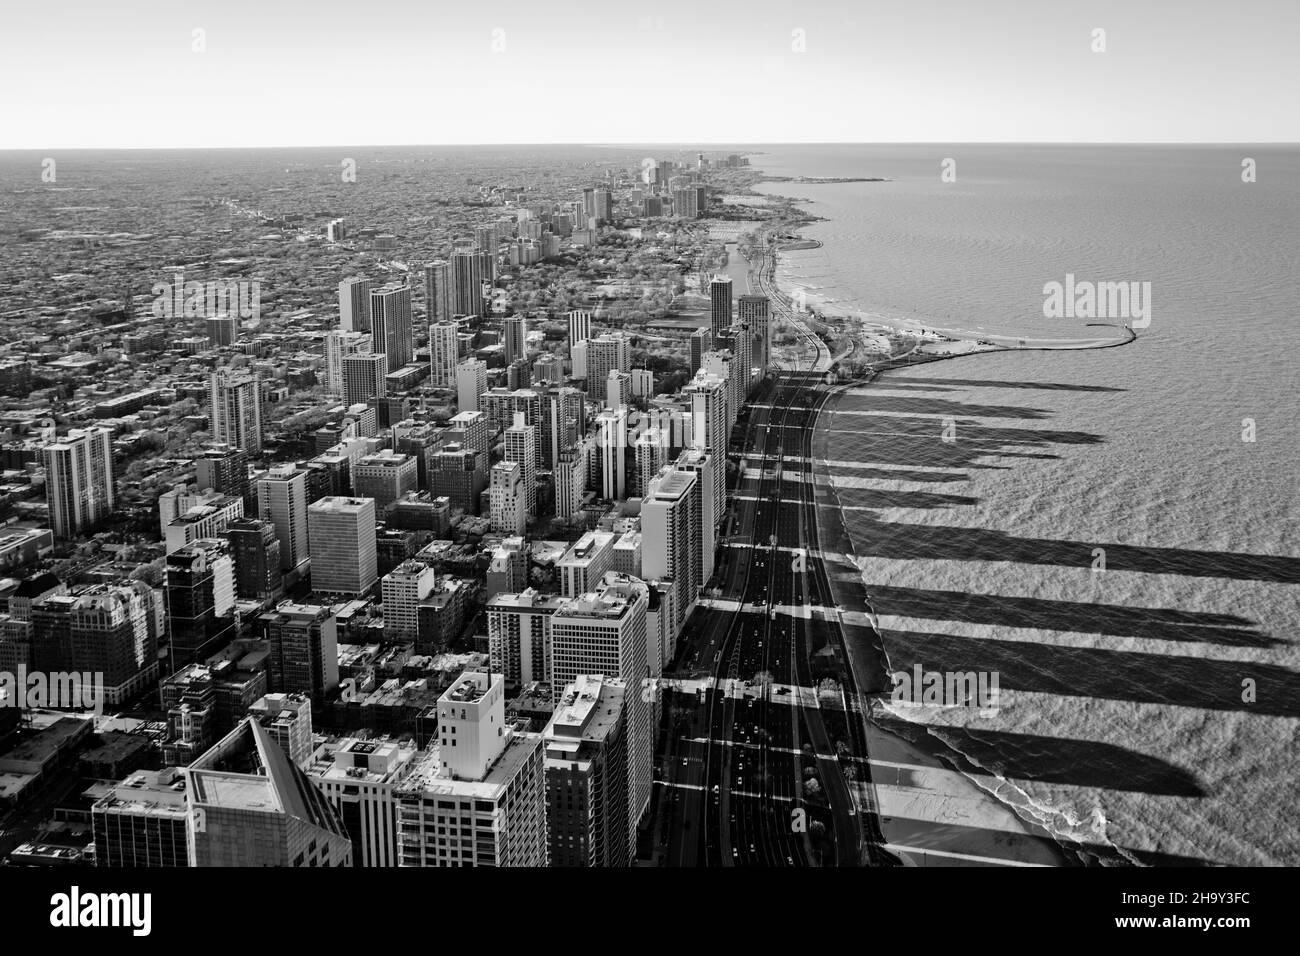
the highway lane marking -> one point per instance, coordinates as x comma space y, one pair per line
754, 746
730, 793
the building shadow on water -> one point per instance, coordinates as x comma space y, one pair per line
1165, 624
1054, 760
1080, 672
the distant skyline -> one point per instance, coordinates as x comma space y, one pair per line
134, 74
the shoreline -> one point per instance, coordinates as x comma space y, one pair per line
935, 806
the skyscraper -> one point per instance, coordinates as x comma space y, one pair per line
222, 329
384, 476
471, 270
439, 299
471, 382
521, 446
360, 778
579, 327
509, 502
670, 535
102, 629
304, 646
339, 345
256, 553
651, 456
403, 588
704, 466
223, 468
390, 324
514, 330
354, 305
701, 342
589, 818
473, 431
611, 437
236, 409
756, 311
200, 584
618, 389
604, 632
605, 353
570, 482
598, 205
482, 780
519, 634
282, 501
364, 377
444, 348
709, 426
343, 554
79, 480
719, 305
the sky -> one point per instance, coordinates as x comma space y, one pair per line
134, 73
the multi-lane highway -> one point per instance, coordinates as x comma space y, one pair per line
762, 757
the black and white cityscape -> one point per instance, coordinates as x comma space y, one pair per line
792, 437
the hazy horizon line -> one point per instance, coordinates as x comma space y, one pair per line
665, 143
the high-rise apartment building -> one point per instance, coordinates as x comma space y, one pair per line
403, 588
586, 562
756, 312
719, 305
79, 480
104, 629
360, 778
384, 476
514, 331
472, 272
339, 344
477, 796
200, 585
256, 553
224, 469
364, 377
282, 501
579, 327
439, 295
521, 446
509, 502
589, 816
701, 342
519, 640
606, 353
444, 349
235, 401
471, 383
604, 632
354, 305
304, 645
342, 536
612, 441
390, 324
671, 523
